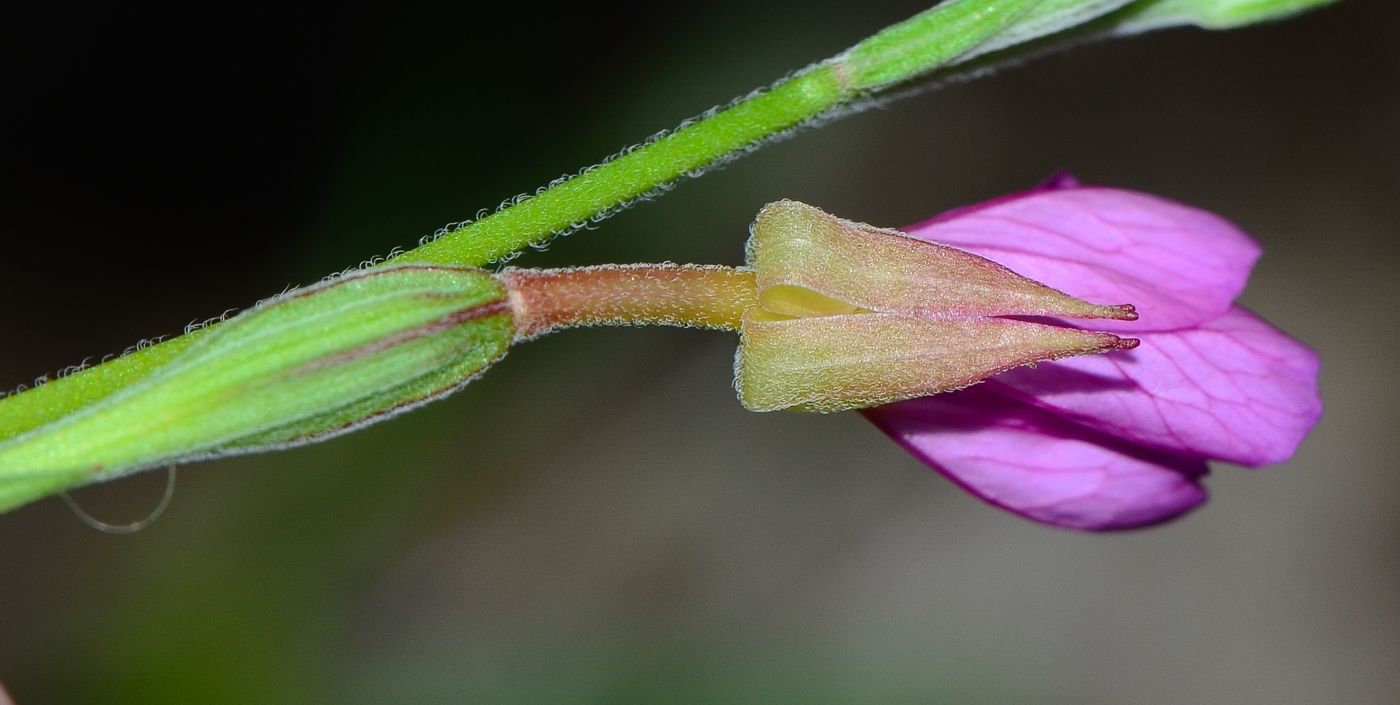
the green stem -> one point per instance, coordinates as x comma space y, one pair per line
898, 53
60, 397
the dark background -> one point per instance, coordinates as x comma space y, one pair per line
597, 520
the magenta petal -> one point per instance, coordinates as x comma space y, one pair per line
1180, 266
1039, 465
1235, 389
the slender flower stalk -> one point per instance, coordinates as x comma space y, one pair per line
688, 296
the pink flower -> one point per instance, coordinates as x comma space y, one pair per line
1118, 440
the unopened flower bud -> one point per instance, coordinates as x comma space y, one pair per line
313, 363
852, 316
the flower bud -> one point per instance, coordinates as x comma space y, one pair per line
309, 364
852, 316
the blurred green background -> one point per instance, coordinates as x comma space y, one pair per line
597, 520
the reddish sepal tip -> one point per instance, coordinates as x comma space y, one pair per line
1126, 312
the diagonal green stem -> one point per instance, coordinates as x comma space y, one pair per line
898, 53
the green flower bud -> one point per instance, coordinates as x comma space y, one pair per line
301, 367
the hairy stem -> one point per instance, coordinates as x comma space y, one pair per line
692, 296
898, 53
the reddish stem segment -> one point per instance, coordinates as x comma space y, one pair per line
690, 296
